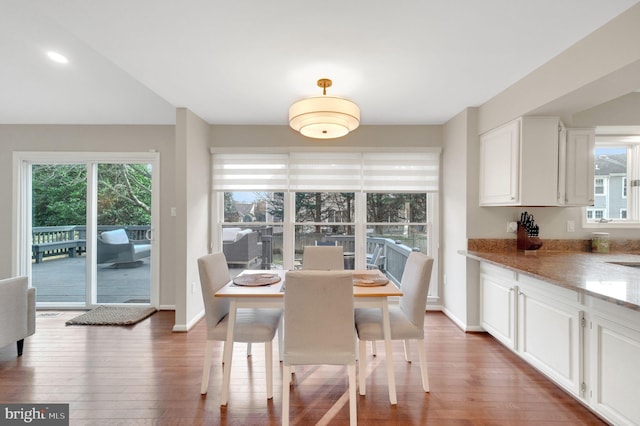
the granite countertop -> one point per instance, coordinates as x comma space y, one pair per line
589, 273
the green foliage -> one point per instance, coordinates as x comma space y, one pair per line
124, 194
60, 194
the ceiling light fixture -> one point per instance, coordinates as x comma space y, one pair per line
57, 57
324, 117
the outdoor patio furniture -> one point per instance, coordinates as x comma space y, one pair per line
240, 246
115, 247
17, 311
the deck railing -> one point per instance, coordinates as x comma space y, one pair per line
70, 240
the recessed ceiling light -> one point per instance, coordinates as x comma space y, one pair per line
55, 56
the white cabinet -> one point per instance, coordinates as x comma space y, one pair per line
541, 322
498, 303
615, 354
500, 165
535, 161
588, 346
519, 163
576, 163
550, 332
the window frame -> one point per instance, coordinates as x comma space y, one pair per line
429, 178
632, 221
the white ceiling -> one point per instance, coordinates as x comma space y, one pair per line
246, 61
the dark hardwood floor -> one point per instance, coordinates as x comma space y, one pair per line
147, 375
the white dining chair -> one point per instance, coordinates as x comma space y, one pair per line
323, 258
252, 325
406, 319
318, 328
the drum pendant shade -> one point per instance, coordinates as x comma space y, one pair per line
324, 117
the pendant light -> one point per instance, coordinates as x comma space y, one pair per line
324, 117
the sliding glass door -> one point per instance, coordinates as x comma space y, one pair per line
89, 239
58, 246
123, 237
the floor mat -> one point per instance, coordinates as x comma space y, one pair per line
113, 315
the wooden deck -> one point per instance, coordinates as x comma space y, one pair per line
62, 279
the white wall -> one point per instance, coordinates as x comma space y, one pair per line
60, 138
193, 177
602, 66
622, 111
454, 201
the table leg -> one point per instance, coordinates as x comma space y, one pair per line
386, 328
228, 353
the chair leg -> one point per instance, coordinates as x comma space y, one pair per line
373, 347
286, 377
353, 407
206, 369
422, 354
407, 350
226, 372
249, 349
280, 339
268, 360
20, 345
362, 365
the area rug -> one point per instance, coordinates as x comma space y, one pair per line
113, 315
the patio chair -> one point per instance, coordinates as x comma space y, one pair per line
373, 260
326, 243
115, 247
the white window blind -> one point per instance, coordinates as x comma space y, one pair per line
400, 172
314, 171
328, 171
250, 172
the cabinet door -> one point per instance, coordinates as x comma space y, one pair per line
579, 167
498, 308
500, 165
550, 338
616, 376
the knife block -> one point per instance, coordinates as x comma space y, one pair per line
525, 241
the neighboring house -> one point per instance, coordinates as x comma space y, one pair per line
610, 188
246, 211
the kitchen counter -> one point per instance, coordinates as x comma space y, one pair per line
592, 274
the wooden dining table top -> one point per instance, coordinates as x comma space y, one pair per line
276, 291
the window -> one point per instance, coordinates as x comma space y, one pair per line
595, 214
359, 200
599, 188
617, 167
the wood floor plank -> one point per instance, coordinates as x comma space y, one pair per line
147, 375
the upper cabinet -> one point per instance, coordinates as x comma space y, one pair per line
535, 161
576, 168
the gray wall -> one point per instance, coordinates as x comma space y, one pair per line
60, 138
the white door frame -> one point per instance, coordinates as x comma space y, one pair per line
21, 234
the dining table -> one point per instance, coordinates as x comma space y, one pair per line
366, 295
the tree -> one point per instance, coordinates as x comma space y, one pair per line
59, 194
124, 194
